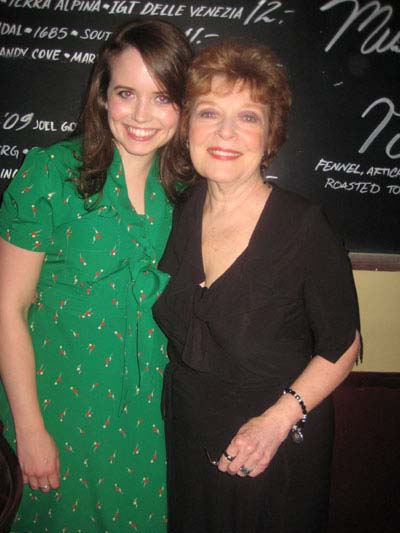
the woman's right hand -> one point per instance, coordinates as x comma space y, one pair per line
38, 458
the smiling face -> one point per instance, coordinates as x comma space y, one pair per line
228, 134
141, 116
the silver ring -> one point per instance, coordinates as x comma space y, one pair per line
44, 487
244, 470
229, 457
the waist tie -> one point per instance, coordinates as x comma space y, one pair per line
146, 285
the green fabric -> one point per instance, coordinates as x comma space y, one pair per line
99, 354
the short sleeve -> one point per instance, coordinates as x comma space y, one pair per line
329, 290
26, 214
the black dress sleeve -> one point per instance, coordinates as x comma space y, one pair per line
170, 262
329, 290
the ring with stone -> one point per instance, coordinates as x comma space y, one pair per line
244, 470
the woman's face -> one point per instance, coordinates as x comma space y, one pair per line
228, 134
141, 115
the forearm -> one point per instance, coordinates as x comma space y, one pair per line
318, 380
18, 373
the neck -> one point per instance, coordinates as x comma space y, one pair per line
136, 169
229, 196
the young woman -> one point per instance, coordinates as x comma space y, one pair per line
83, 225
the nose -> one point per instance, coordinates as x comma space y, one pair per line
141, 110
226, 129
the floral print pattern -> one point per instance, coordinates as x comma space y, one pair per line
99, 354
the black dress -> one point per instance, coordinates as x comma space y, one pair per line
233, 348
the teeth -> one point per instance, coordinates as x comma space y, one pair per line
222, 153
138, 132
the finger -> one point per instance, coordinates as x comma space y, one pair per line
44, 484
33, 482
227, 457
246, 450
25, 479
244, 471
54, 480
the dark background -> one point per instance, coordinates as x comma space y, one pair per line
343, 57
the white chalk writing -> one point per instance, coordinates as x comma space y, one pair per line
86, 58
329, 166
47, 32
196, 36
216, 12
7, 173
92, 35
121, 7
361, 187
10, 29
162, 10
48, 54
90, 6
44, 125
384, 171
381, 126
13, 52
7, 150
380, 39
30, 4
15, 121
68, 126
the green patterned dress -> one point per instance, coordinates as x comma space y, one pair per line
99, 354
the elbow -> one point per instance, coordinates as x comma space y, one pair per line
351, 355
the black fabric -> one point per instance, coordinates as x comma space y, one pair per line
234, 347
10, 483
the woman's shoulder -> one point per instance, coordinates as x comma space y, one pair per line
292, 210
46, 172
63, 153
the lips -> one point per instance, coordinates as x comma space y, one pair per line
223, 154
141, 134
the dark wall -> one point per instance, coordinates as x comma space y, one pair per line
343, 57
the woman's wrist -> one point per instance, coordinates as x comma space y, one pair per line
28, 425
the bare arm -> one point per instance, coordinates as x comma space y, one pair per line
257, 441
37, 453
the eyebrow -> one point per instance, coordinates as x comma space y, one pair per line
249, 105
127, 88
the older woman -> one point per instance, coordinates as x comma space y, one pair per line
261, 315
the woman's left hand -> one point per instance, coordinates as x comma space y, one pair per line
255, 444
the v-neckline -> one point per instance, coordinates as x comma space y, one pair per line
241, 256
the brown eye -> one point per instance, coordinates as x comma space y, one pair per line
125, 94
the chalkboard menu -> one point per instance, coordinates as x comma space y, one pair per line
343, 57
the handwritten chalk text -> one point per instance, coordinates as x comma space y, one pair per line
380, 38
390, 113
329, 166
7, 173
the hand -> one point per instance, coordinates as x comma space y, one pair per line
38, 457
255, 444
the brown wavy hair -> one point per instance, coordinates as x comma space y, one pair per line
166, 53
254, 66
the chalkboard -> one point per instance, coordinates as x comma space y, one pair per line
343, 57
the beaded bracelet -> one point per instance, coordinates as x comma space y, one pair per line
297, 429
